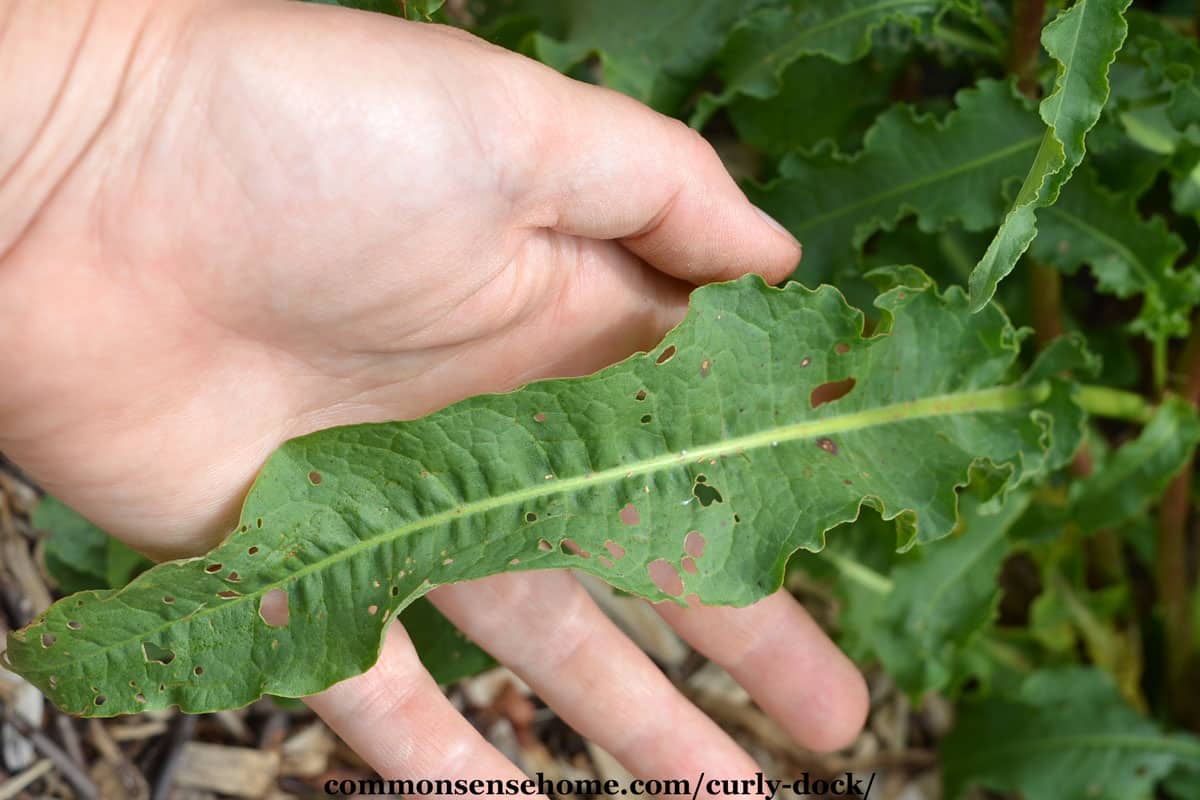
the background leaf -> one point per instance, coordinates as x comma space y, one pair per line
1065, 735
1083, 40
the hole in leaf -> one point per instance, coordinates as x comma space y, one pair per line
640, 396
258, 522
665, 577
833, 390
395, 591
545, 546
74, 624
665, 355
252, 551
274, 608
705, 368
646, 418
804, 362
841, 348
100, 700
828, 446
693, 544
168, 600
161, 655
737, 518
706, 494
604, 562
233, 577
133, 684
530, 516
140, 698
689, 565
314, 478
228, 594
372, 609
48, 639
53, 681
614, 549
629, 515
212, 569
572, 548
198, 671
539, 417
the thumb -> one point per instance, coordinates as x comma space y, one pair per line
611, 168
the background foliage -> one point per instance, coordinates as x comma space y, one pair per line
1046, 153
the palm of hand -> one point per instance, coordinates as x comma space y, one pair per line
277, 232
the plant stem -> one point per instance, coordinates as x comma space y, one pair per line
1171, 567
1045, 300
1103, 401
1026, 43
859, 573
967, 42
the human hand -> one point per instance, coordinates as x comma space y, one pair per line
290, 217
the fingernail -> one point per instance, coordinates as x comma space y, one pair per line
774, 223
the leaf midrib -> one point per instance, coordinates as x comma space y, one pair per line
995, 399
772, 56
922, 182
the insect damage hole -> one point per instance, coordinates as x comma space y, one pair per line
665, 356
707, 495
629, 515
274, 608
833, 390
640, 396
571, 548
48, 639
665, 577
213, 569
693, 544
157, 654
314, 478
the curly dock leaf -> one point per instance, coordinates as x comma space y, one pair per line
1128, 255
910, 164
763, 44
1063, 734
761, 422
1084, 40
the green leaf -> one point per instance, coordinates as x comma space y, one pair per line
1129, 255
1084, 40
81, 556
849, 96
922, 618
655, 52
709, 443
444, 650
421, 10
763, 44
1066, 734
1137, 474
910, 164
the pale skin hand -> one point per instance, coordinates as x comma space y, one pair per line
295, 217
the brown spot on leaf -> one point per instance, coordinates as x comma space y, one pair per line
833, 390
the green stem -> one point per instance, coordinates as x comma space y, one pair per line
862, 575
1158, 365
967, 42
1102, 401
